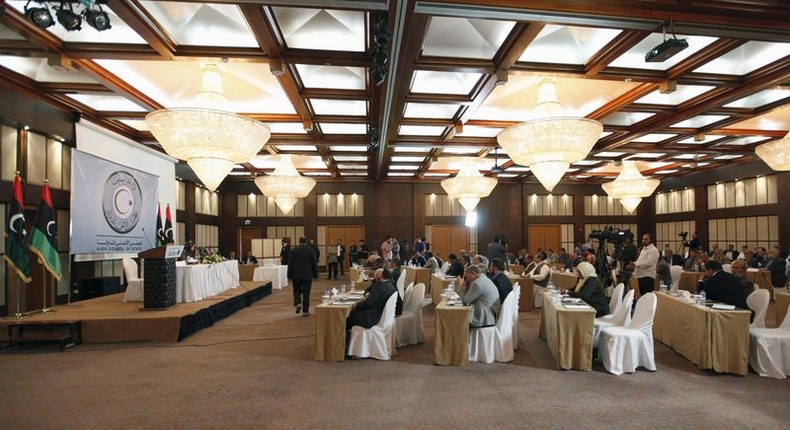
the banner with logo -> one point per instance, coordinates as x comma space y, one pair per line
113, 207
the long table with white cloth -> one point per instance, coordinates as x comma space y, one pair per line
199, 281
709, 338
277, 275
569, 332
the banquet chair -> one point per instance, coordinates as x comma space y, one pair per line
487, 344
769, 350
377, 341
674, 272
727, 268
615, 301
758, 303
445, 266
408, 326
517, 299
400, 283
621, 317
134, 283
407, 295
625, 348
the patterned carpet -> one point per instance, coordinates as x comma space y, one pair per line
255, 370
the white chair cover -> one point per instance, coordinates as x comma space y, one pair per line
517, 292
625, 348
445, 266
487, 344
620, 318
407, 295
376, 341
769, 350
674, 272
134, 284
758, 303
400, 283
408, 326
727, 268
616, 300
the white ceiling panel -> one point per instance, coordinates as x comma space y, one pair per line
327, 29
202, 24
567, 45
465, 37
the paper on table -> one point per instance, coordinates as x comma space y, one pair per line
576, 306
723, 307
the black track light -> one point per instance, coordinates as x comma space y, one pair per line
68, 19
380, 57
98, 19
39, 16
378, 74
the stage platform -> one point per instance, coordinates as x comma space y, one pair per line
109, 319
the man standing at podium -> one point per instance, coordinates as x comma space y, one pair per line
302, 269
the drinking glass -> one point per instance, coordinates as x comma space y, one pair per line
343, 290
325, 297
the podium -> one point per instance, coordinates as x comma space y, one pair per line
159, 274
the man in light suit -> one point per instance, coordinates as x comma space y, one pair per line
482, 295
302, 269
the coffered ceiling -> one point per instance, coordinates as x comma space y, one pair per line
458, 72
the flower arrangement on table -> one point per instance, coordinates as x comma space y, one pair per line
211, 259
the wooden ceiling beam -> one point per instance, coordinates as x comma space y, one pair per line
141, 22
116, 84
613, 50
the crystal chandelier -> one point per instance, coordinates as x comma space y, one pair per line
550, 141
285, 185
630, 186
469, 186
210, 139
776, 154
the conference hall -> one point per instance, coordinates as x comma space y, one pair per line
197, 196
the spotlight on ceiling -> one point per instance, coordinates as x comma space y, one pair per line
39, 16
98, 19
68, 19
668, 48
378, 75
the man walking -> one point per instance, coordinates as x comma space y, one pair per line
302, 269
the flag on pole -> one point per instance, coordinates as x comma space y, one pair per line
160, 234
168, 236
15, 249
43, 238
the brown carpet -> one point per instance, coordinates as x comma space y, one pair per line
255, 370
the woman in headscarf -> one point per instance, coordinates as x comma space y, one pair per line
590, 289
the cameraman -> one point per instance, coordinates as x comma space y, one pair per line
645, 266
625, 256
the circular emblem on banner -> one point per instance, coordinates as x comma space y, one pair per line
121, 201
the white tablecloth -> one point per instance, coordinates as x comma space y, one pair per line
277, 275
198, 281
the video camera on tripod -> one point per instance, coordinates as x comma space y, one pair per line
613, 235
684, 235
624, 251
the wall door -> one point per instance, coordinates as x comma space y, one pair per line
449, 239
347, 233
246, 234
546, 236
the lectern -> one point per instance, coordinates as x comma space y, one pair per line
159, 274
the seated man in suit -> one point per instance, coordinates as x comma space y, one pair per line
722, 286
496, 271
367, 312
249, 258
692, 262
479, 292
456, 268
738, 269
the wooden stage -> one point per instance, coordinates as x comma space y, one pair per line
109, 319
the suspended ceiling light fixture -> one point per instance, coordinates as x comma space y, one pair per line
211, 140
285, 185
469, 186
630, 187
552, 140
776, 154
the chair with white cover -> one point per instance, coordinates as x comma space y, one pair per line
615, 300
407, 295
758, 303
408, 326
621, 317
445, 267
625, 348
134, 283
377, 341
487, 344
400, 283
517, 292
727, 268
769, 350
674, 272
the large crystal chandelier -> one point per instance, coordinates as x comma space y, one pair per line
285, 184
630, 186
776, 154
551, 140
210, 139
469, 186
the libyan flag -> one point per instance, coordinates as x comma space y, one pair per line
15, 252
160, 234
168, 233
43, 239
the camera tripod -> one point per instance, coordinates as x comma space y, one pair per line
602, 267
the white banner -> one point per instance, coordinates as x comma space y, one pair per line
113, 207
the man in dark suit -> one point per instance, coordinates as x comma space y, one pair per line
671, 258
249, 258
341, 255
456, 268
367, 312
722, 286
496, 269
302, 269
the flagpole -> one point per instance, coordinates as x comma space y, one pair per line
44, 308
18, 314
